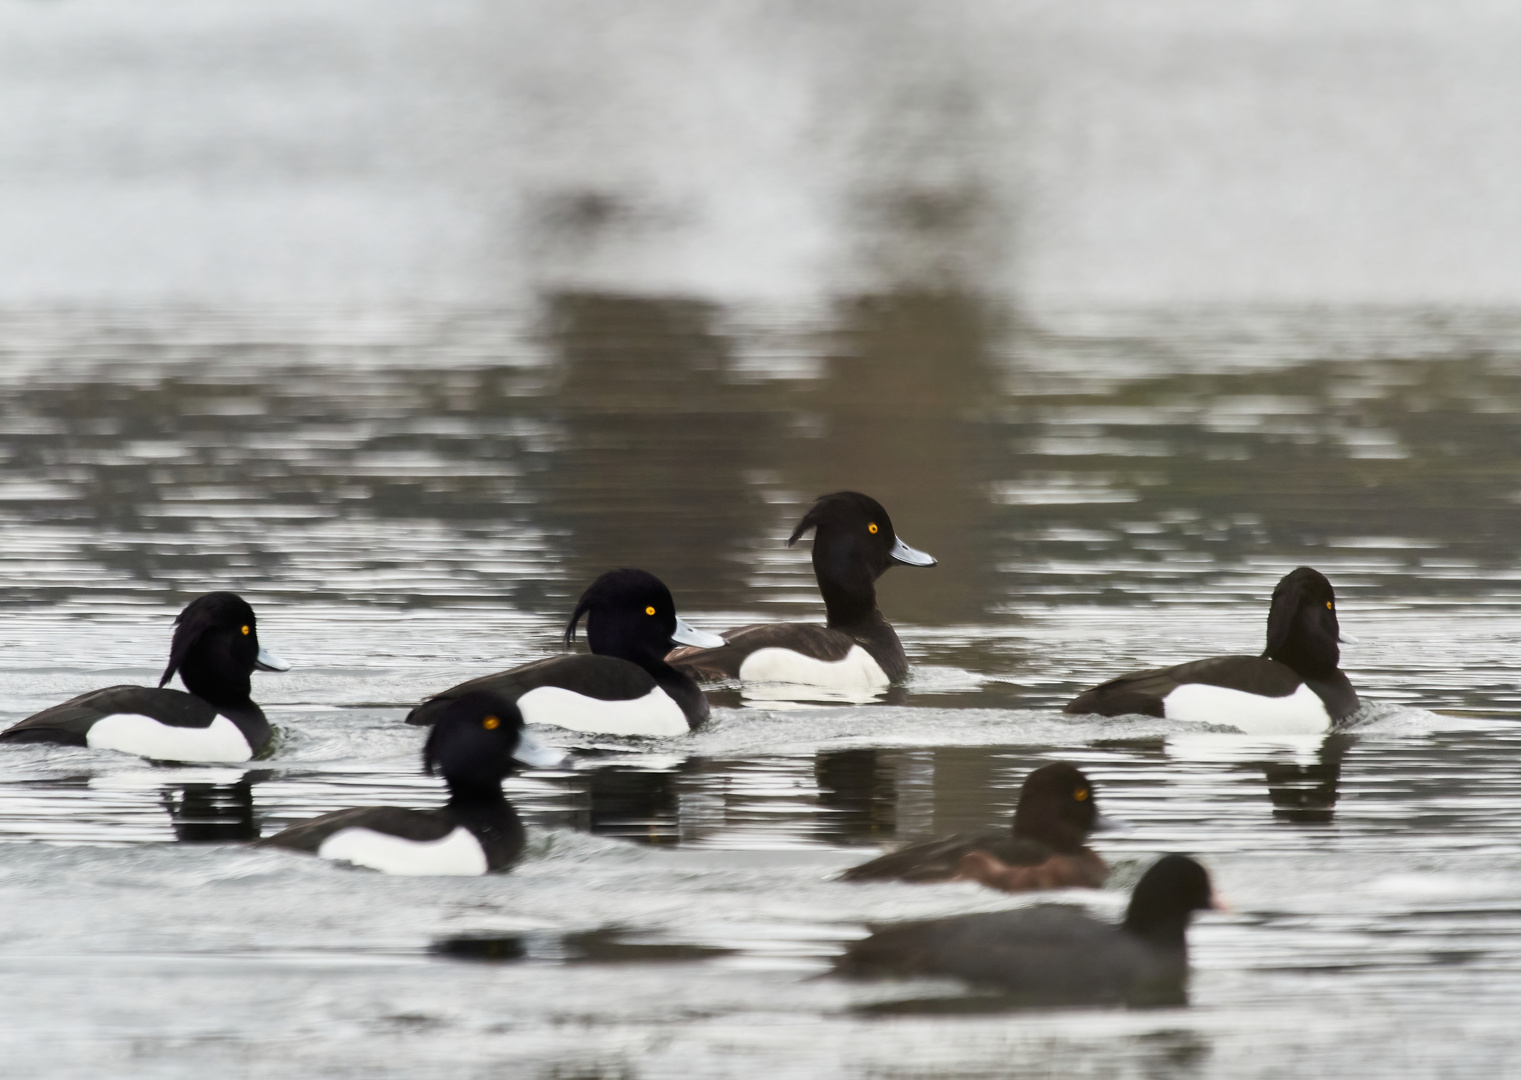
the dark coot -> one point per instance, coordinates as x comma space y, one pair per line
1054, 954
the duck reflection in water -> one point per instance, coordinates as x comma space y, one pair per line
1307, 794
608, 945
633, 804
859, 788
212, 813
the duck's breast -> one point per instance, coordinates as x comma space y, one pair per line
655, 713
1299, 713
133, 733
857, 670
459, 854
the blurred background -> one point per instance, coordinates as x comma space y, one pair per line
505, 293
502, 154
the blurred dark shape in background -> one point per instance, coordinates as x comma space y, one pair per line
1092, 153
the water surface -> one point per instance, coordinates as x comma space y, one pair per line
415, 499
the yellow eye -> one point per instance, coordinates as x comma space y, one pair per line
650, 610
872, 528
491, 723
245, 631
1328, 605
1080, 794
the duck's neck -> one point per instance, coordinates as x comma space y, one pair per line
678, 685
1309, 655
226, 695
659, 670
850, 604
473, 798
1168, 930
682, 690
847, 579
490, 818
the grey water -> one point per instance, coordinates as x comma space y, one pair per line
1097, 501
406, 322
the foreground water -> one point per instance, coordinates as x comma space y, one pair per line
412, 499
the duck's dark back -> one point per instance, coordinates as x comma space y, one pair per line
936, 860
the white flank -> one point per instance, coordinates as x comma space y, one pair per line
133, 733
856, 672
1300, 713
654, 714
457, 855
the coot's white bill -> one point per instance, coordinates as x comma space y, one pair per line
687, 635
908, 556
